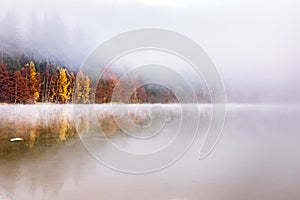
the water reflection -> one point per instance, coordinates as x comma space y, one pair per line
34, 125
45, 125
256, 158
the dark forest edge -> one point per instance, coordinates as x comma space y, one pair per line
28, 80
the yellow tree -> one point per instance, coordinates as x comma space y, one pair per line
86, 89
34, 83
72, 79
82, 88
63, 86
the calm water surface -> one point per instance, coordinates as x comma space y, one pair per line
257, 157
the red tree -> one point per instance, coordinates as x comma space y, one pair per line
105, 88
4, 78
22, 90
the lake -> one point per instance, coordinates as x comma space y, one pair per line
257, 156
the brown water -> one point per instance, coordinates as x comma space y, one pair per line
257, 157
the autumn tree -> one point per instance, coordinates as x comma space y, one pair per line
63, 86
45, 85
159, 94
34, 82
141, 94
7, 85
10, 88
72, 79
128, 91
4, 78
82, 88
100, 92
105, 88
22, 90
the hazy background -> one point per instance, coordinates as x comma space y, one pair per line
254, 44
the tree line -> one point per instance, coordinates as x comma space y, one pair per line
54, 84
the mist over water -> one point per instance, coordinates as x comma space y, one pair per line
256, 158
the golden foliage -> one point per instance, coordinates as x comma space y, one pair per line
63, 86
34, 83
